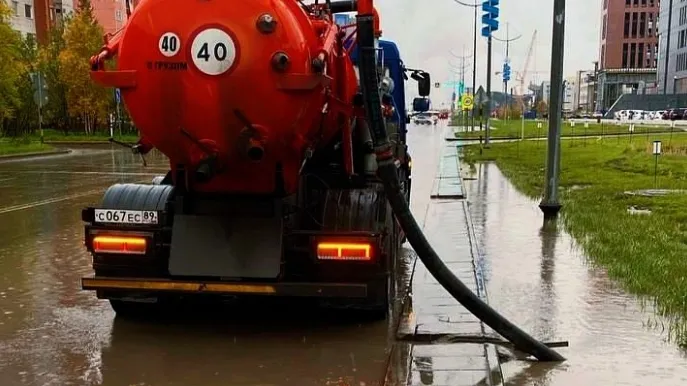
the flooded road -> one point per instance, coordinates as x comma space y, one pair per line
537, 277
52, 333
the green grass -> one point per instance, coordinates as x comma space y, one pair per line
21, 147
512, 129
647, 254
60, 136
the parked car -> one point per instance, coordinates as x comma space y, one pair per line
676, 114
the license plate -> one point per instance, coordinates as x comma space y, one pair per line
118, 216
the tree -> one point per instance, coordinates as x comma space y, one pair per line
83, 39
11, 66
56, 112
26, 117
542, 108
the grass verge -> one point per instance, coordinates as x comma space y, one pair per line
16, 147
60, 136
513, 129
647, 254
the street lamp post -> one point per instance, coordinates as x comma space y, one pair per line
550, 205
474, 57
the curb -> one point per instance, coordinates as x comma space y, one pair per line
448, 183
566, 136
76, 143
34, 154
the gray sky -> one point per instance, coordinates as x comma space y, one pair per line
426, 31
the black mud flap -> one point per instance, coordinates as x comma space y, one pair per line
227, 247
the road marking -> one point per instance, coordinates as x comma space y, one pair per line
213, 51
49, 201
34, 204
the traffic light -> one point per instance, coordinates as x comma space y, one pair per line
506, 72
490, 17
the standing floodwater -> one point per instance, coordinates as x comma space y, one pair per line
537, 277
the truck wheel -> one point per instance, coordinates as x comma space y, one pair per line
137, 196
380, 297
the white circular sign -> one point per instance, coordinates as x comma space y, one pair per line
169, 44
213, 51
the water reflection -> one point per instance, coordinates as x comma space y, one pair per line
539, 279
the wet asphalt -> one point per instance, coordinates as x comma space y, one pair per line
538, 277
53, 333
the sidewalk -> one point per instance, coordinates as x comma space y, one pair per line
433, 311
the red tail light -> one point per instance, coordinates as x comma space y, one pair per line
120, 244
344, 251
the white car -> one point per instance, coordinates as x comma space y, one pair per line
423, 120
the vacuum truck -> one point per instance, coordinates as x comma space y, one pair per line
273, 187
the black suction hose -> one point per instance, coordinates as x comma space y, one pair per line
387, 172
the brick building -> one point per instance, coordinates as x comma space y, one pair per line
36, 17
629, 49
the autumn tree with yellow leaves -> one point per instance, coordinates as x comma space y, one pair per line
83, 38
11, 65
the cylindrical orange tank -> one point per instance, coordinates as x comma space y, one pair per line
239, 77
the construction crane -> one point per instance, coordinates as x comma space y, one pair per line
520, 76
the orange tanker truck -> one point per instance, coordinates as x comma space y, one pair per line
264, 110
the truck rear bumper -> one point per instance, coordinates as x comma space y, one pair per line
144, 285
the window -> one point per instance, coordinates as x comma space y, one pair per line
642, 24
27, 11
633, 55
118, 15
626, 32
634, 24
624, 55
640, 59
15, 8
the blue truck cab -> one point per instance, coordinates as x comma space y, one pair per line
391, 66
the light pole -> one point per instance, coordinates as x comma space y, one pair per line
550, 205
670, 21
474, 55
507, 40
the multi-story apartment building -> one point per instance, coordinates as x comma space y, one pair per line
672, 68
629, 49
37, 17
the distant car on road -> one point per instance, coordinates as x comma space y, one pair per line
424, 120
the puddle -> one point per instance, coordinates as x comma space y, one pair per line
539, 279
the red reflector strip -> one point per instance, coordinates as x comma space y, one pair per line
344, 251
117, 244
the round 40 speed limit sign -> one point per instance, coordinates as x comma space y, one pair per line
213, 51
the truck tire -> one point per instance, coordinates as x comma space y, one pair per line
380, 298
135, 197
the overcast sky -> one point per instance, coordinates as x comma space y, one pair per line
427, 30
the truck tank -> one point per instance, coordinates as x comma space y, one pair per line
236, 91
273, 187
